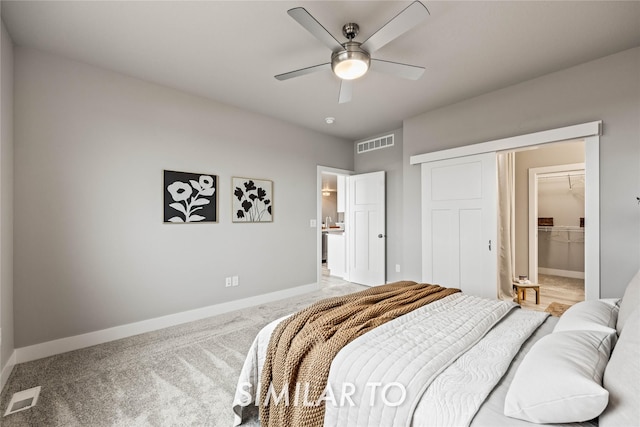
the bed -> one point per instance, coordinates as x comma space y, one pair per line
455, 360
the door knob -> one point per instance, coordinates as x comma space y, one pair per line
380, 236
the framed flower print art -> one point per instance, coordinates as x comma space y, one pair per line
252, 200
190, 197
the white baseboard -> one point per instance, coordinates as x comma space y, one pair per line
62, 345
6, 370
561, 273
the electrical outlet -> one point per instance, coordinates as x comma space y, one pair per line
312, 223
397, 268
227, 282
235, 281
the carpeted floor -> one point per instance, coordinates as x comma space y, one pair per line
184, 375
179, 376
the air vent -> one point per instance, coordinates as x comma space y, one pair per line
374, 144
23, 400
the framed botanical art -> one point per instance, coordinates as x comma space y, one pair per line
190, 197
252, 200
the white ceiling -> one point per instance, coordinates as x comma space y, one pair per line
229, 51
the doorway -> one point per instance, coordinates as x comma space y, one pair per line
331, 219
355, 248
332, 225
557, 229
548, 242
556, 232
587, 132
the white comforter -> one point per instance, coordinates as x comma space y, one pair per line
388, 371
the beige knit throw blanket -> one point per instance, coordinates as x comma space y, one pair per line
302, 347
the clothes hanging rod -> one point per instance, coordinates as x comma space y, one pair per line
565, 175
561, 228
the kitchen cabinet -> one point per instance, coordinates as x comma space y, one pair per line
336, 253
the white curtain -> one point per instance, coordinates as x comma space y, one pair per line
506, 224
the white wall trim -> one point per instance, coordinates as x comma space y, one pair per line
554, 135
6, 370
561, 273
62, 345
592, 287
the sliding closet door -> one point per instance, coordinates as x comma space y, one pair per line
459, 224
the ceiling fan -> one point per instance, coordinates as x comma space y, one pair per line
351, 60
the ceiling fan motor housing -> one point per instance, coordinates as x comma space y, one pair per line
350, 63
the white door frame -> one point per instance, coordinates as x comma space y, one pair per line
590, 132
533, 210
320, 171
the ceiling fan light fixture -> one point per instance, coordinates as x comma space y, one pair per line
351, 63
352, 59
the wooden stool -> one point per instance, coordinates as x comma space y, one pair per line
521, 288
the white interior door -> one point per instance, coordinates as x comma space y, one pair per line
366, 229
459, 208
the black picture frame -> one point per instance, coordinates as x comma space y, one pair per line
190, 198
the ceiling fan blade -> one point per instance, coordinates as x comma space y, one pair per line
305, 19
346, 89
303, 71
411, 72
415, 13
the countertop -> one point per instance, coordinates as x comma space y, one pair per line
333, 230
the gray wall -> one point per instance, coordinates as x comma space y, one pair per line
91, 251
607, 89
6, 200
389, 160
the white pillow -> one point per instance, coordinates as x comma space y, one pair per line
622, 378
560, 379
589, 316
630, 301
